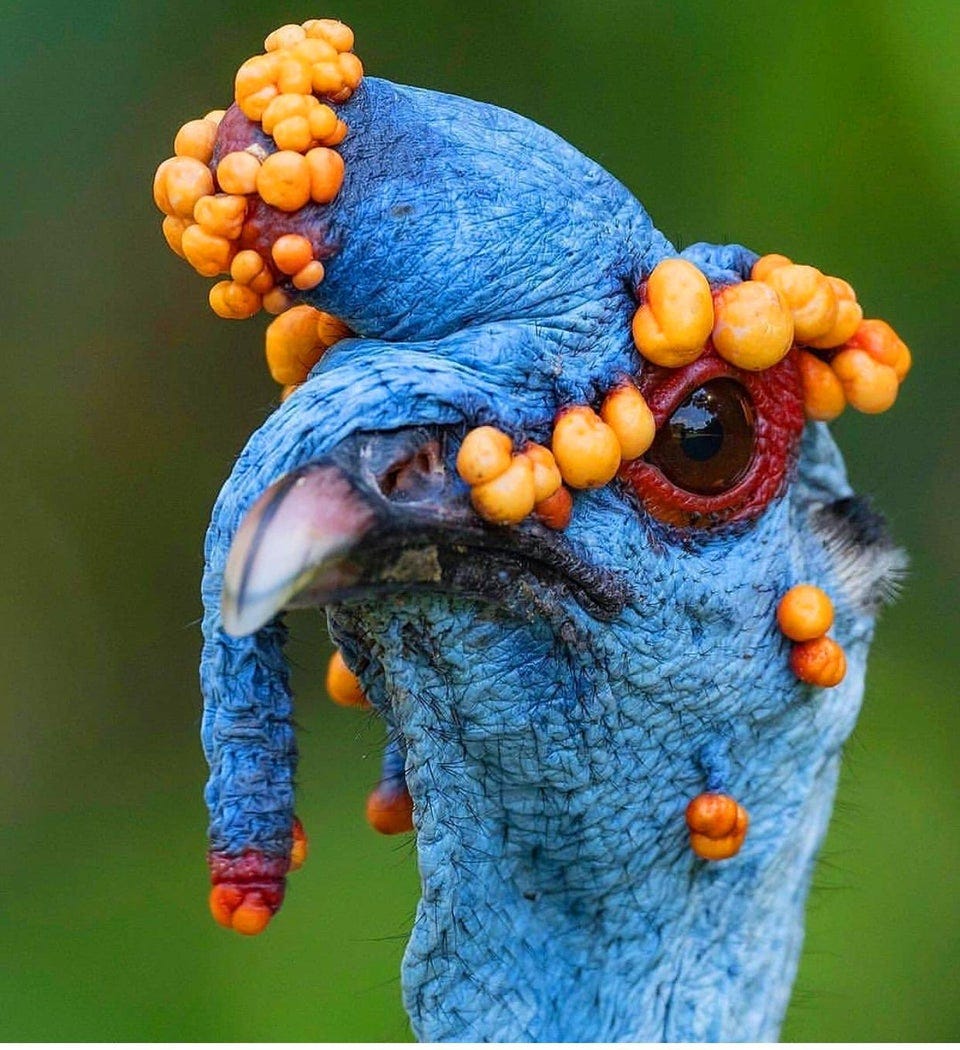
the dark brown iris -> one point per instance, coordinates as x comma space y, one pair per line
707, 445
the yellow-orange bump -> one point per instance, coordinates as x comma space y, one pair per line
208, 254
869, 386
766, 264
247, 266
326, 169
849, 316
820, 661
754, 326
221, 214
628, 415
173, 232
883, 344
343, 685
291, 253
389, 811
179, 183
546, 473
508, 498
672, 325
276, 301
234, 301
292, 345
810, 297
555, 510
586, 449
299, 848
323, 123
237, 172
335, 33
309, 277
823, 396
215, 116
805, 612
289, 104
283, 180
285, 36
718, 825
196, 139
485, 454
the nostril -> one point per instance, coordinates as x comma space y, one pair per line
415, 476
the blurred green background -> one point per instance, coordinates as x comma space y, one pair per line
827, 131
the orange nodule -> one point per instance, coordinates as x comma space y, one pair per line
247, 266
238, 910
285, 36
718, 825
276, 301
555, 510
208, 254
754, 325
237, 172
173, 232
849, 316
586, 449
335, 33
291, 253
805, 612
823, 396
869, 386
222, 214
309, 277
326, 170
810, 297
628, 415
293, 133
883, 344
352, 70
508, 498
343, 685
288, 104
215, 115
484, 455
234, 301
390, 811
293, 76
283, 180
323, 123
766, 264
672, 325
291, 344
299, 847
179, 183
196, 139
326, 78
546, 473
820, 661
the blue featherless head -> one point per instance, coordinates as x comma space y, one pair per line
585, 543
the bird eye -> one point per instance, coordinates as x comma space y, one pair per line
706, 446
726, 440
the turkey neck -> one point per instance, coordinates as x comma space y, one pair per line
560, 899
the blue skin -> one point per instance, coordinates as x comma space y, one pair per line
490, 270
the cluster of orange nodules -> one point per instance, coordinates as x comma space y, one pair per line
754, 324
586, 451
805, 614
718, 825
289, 90
296, 340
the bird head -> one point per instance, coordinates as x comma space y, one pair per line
570, 501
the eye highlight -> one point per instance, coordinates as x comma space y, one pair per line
726, 440
706, 446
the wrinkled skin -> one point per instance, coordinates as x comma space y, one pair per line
490, 272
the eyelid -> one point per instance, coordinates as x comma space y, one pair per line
666, 389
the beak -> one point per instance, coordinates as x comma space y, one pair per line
387, 512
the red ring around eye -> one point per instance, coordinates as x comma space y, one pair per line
778, 407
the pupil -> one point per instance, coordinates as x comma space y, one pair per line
707, 445
699, 429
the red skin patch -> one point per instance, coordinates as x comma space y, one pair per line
778, 403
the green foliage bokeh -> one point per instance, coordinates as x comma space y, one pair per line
824, 131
